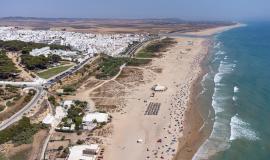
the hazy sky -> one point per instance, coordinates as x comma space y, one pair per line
184, 9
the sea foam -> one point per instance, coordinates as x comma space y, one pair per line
217, 45
235, 89
234, 98
220, 52
241, 129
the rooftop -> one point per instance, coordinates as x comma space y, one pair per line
83, 152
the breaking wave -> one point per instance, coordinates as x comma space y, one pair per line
241, 129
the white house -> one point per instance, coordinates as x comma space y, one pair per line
49, 119
41, 51
59, 113
67, 103
96, 116
84, 152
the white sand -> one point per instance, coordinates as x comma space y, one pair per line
211, 31
178, 72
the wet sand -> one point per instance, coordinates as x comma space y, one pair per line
194, 133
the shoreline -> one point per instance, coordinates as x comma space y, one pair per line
192, 139
194, 134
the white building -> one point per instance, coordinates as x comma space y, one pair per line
96, 116
89, 43
84, 152
49, 119
41, 51
67, 103
60, 113
63, 53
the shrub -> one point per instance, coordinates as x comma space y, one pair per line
69, 89
60, 148
52, 100
80, 142
20, 133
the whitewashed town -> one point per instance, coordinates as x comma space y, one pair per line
86, 43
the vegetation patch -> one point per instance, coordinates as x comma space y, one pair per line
7, 67
153, 48
15, 102
29, 96
74, 115
26, 47
137, 62
12, 89
2, 107
10, 103
20, 133
53, 71
110, 66
39, 62
52, 100
3, 156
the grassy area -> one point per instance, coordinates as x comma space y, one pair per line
2, 107
154, 47
137, 62
7, 67
53, 71
20, 133
110, 66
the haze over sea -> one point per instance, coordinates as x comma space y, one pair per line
237, 86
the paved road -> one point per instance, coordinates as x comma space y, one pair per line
131, 51
27, 84
38, 86
17, 116
68, 72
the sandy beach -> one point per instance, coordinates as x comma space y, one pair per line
159, 134
212, 31
174, 130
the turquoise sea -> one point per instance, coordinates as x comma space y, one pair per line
236, 95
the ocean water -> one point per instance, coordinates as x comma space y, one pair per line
236, 95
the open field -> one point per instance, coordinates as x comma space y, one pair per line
12, 99
111, 25
53, 71
155, 47
110, 66
25, 151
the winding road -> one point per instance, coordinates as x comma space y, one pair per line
17, 116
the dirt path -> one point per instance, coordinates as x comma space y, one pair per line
25, 75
